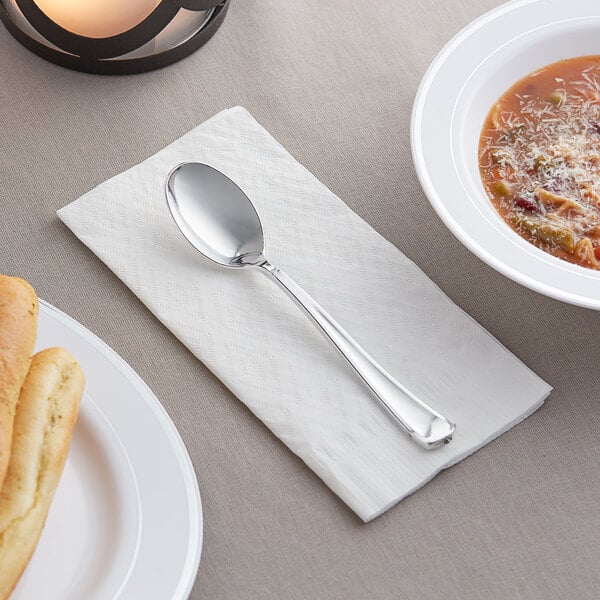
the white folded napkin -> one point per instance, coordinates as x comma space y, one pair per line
266, 350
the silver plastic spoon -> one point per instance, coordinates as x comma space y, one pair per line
220, 221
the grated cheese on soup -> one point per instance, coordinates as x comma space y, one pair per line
540, 159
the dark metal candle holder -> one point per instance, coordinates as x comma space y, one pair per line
172, 31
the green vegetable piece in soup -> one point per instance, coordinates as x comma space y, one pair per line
546, 231
558, 97
502, 188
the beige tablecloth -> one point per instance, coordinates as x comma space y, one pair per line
333, 81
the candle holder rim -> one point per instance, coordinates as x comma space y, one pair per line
117, 66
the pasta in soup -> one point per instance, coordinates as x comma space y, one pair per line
539, 157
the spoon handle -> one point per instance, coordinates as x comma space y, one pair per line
427, 427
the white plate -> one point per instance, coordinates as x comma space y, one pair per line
126, 520
463, 82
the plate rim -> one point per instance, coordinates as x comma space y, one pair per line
422, 171
191, 566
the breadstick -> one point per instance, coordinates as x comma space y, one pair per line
44, 421
18, 330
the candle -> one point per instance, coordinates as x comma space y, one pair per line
97, 18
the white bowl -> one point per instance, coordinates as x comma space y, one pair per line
466, 78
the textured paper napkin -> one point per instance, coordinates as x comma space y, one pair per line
265, 349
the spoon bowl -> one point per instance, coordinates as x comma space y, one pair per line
215, 215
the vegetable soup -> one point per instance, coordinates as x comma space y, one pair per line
539, 157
